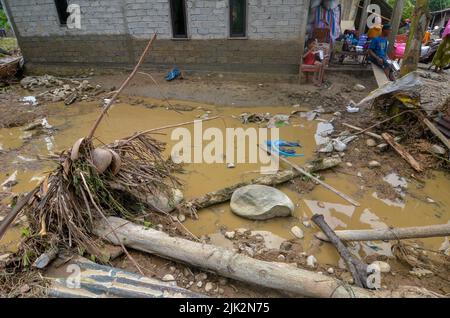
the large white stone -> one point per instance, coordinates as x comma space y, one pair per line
259, 202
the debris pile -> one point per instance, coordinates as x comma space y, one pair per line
67, 90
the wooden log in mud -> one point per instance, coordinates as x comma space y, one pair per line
357, 268
230, 264
224, 194
402, 152
390, 233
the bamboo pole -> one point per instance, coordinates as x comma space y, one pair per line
390, 233
122, 87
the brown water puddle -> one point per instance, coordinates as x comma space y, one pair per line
124, 119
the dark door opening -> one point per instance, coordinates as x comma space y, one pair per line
178, 15
238, 18
61, 7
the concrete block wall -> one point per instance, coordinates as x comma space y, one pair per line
113, 31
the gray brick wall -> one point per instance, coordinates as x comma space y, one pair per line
114, 30
207, 19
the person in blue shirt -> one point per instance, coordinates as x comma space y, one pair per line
378, 49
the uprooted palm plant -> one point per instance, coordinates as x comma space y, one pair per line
95, 182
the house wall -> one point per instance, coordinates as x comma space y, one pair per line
114, 32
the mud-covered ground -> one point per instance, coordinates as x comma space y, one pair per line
219, 89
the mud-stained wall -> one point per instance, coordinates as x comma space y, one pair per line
113, 32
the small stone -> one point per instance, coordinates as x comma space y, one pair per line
349, 164
438, 150
200, 277
241, 231
359, 87
383, 266
359, 174
330, 270
221, 291
231, 165
420, 272
181, 218
371, 143
199, 284
4, 257
311, 261
160, 227
168, 278
306, 224
281, 258
172, 269
298, 232
25, 288
382, 147
209, 287
374, 164
429, 200
230, 235
337, 114
223, 281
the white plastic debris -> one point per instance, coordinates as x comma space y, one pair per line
30, 100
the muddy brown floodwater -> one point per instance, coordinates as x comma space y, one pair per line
72, 122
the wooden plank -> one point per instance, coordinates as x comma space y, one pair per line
402, 152
379, 74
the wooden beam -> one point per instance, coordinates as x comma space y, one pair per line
363, 18
395, 22
402, 152
393, 234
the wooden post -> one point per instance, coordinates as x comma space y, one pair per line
363, 19
417, 30
395, 22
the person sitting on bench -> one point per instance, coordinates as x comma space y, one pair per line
378, 49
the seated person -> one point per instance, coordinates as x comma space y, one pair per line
378, 50
309, 58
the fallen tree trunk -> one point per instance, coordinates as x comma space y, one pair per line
357, 268
237, 266
390, 233
223, 195
402, 152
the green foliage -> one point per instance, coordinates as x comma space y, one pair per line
3, 20
434, 5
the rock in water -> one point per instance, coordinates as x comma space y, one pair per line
297, 232
259, 202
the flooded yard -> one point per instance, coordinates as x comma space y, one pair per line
418, 204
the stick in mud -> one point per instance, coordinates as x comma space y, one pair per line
357, 268
402, 152
304, 172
